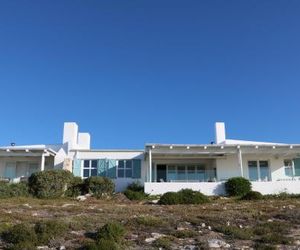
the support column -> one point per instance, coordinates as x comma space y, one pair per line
150, 165
43, 162
240, 162
293, 168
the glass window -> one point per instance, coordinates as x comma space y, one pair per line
191, 172
90, 168
181, 176
171, 174
288, 167
125, 169
253, 171
200, 173
264, 170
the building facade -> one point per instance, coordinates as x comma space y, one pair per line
271, 167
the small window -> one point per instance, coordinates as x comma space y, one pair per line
125, 169
89, 168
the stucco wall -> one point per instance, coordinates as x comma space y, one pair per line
217, 188
228, 167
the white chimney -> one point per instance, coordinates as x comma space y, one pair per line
220, 132
70, 135
84, 141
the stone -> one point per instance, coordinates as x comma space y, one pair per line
154, 237
203, 225
209, 227
81, 198
216, 243
27, 205
67, 205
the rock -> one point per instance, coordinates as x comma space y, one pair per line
203, 225
62, 248
81, 198
67, 205
297, 242
216, 243
241, 226
34, 214
154, 237
154, 201
270, 220
228, 223
27, 205
189, 247
209, 227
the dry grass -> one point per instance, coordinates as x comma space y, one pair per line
259, 224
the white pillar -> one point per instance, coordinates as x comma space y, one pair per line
43, 162
150, 165
293, 168
240, 161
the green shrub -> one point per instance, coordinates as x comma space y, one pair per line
235, 232
99, 186
104, 244
188, 196
134, 195
184, 196
8, 190
112, 231
184, 234
20, 233
76, 187
50, 183
170, 198
149, 221
164, 243
47, 230
237, 186
135, 186
135, 191
252, 195
24, 245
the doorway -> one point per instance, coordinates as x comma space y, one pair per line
161, 173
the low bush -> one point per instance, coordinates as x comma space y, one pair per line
112, 232
76, 187
189, 196
170, 198
163, 243
8, 190
235, 232
149, 221
184, 196
107, 245
184, 234
99, 186
252, 195
237, 186
50, 183
47, 230
20, 233
135, 191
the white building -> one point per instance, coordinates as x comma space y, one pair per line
271, 167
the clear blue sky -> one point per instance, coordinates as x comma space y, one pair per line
131, 72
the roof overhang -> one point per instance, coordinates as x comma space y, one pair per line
219, 150
12, 151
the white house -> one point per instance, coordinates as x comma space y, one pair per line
271, 167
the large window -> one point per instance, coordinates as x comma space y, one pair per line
288, 167
89, 168
125, 169
190, 173
259, 170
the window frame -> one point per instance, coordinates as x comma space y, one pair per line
125, 169
258, 167
90, 167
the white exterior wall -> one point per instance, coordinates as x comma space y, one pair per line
217, 188
121, 183
228, 167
